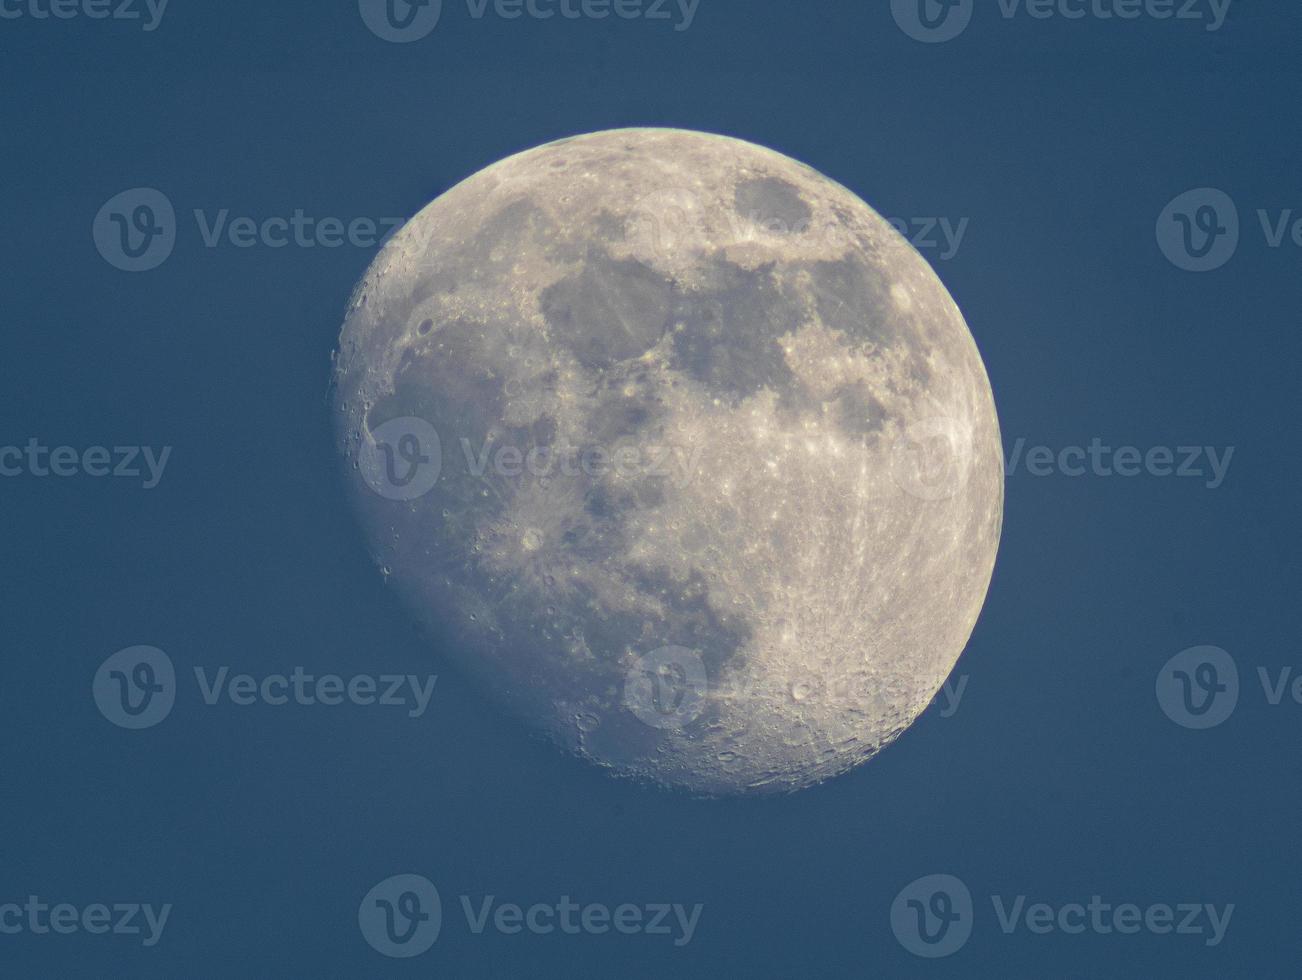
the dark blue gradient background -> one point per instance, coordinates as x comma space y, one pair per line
1059, 777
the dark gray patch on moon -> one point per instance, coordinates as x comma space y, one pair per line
856, 298
609, 311
773, 203
727, 332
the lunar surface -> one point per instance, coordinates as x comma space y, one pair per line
681, 450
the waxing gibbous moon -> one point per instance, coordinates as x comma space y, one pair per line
681, 450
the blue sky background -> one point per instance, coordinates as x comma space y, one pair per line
1058, 777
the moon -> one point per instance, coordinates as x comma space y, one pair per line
680, 450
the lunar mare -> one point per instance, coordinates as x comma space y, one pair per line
681, 449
